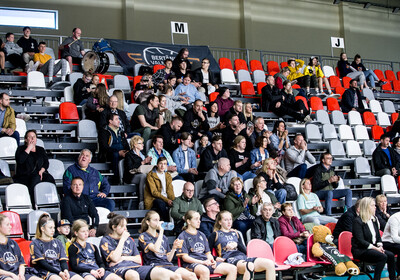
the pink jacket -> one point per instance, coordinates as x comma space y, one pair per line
287, 229
224, 105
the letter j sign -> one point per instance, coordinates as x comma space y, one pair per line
337, 42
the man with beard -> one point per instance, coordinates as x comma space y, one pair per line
170, 133
233, 129
195, 121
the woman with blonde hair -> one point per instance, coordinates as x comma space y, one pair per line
366, 243
273, 180
259, 195
230, 248
122, 105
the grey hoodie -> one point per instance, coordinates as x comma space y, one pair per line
213, 180
11, 48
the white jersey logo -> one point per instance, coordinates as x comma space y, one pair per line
9, 258
198, 247
51, 254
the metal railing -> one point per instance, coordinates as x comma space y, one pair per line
230, 53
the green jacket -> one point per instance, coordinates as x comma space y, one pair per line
182, 205
234, 205
254, 207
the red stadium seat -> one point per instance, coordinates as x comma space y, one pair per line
225, 63
379, 73
331, 226
369, 119
212, 96
332, 104
273, 67
346, 82
68, 113
24, 246
396, 85
316, 103
158, 67
17, 233
334, 81
310, 257
247, 88
390, 75
103, 79
256, 65
340, 90
302, 98
136, 80
241, 64
284, 247
283, 64
337, 71
377, 132
398, 75
387, 86
394, 117
344, 244
260, 86
296, 86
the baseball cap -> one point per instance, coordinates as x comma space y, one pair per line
64, 222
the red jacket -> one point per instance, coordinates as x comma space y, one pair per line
287, 229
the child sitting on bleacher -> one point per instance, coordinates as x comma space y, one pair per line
64, 228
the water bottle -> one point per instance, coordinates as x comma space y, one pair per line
167, 226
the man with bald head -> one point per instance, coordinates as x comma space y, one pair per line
72, 48
184, 203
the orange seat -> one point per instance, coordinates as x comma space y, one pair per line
25, 250
256, 65
241, 64
344, 243
377, 132
394, 117
387, 86
158, 67
284, 64
396, 85
337, 72
369, 119
331, 226
17, 233
212, 96
68, 113
260, 86
310, 256
284, 247
398, 75
340, 90
136, 80
390, 75
379, 73
296, 86
316, 103
302, 98
103, 79
346, 82
247, 88
272, 67
389, 128
225, 63
332, 104
334, 81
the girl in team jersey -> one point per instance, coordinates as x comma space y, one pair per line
230, 248
196, 254
122, 256
155, 248
48, 254
12, 263
84, 257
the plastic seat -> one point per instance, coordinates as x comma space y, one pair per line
313, 135
256, 65
17, 232
316, 103
21, 128
396, 85
362, 167
241, 64
340, 91
8, 147
328, 71
310, 257
346, 82
302, 98
227, 76
24, 246
334, 81
40, 143
295, 181
18, 199
284, 247
361, 133
329, 132
394, 117
178, 187
136, 68
336, 149
68, 94
74, 76
344, 243
379, 73
376, 132
46, 196
323, 117
398, 75
389, 186
247, 185
338, 117
283, 64
332, 104
388, 107
369, 147
353, 149
225, 63
35, 80
122, 82
369, 119
32, 219
158, 67
136, 80
354, 118
95, 241
68, 113
258, 76
390, 75
259, 87
368, 93
197, 187
387, 86
243, 75
247, 88
103, 212
375, 106
272, 67
383, 119
56, 169
331, 226
87, 131
5, 168
345, 133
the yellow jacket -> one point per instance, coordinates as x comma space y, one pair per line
153, 189
318, 71
293, 71
9, 119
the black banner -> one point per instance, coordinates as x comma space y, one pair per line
129, 53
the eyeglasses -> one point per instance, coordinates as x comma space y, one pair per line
189, 190
214, 203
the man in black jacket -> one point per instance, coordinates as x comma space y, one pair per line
195, 121
170, 132
352, 99
112, 109
345, 222
235, 128
76, 205
266, 227
385, 159
82, 88
208, 218
212, 154
270, 95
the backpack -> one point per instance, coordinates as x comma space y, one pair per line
291, 192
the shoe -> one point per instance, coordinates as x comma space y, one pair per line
374, 90
307, 119
303, 277
50, 84
370, 268
29, 66
314, 276
381, 83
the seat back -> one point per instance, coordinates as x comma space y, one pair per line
345, 133
368, 93
316, 103
8, 147
362, 167
87, 131
17, 196
248, 184
74, 76
338, 117
5, 168
260, 87
283, 248
340, 91
332, 104
328, 71
95, 241
56, 168
122, 82
313, 134
361, 133
273, 67
334, 81
158, 67
257, 248
310, 256
336, 149
36, 80
383, 119
346, 82
136, 80
197, 187
284, 64
21, 128
369, 118
258, 76
225, 63
323, 117
68, 113
344, 243
241, 64
302, 98
396, 85
68, 94
103, 213
256, 65
369, 147
227, 76
329, 132
178, 187
376, 132
353, 149
247, 88
243, 75
379, 73
390, 75
354, 118
388, 107
46, 195
387, 86
331, 226
375, 106
394, 117
388, 184
15, 221
32, 219
295, 181
24, 246
213, 95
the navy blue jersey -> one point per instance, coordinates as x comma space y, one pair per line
149, 257
85, 256
109, 244
10, 256
52, 251
196, 246
226, 244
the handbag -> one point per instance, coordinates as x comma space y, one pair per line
291, 192
144, 169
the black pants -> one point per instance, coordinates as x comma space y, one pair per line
188, 177
379, 259
16, 60
162, 209
292, 110
304, 81
313, 81
395, 249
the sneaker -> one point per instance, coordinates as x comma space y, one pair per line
307, 119
29, 66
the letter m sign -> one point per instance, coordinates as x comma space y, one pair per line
179, 27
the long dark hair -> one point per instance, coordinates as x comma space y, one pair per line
209, 109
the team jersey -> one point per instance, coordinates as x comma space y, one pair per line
221, 240
196, 246
85, 256
149, 257
109, 244
10, 256
52, 251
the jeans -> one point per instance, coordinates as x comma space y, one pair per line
395, 249
371, 77
161, 208
280, 195
243, 226
246, 175
334, 194
301, 171
104, 202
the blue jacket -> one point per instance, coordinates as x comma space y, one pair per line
179, 158
255, 156
94, 182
